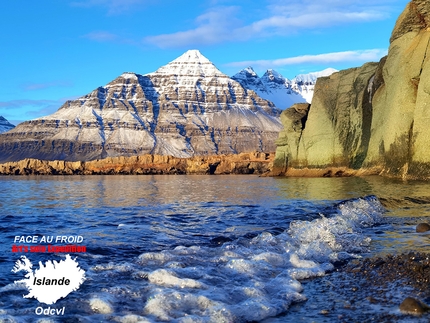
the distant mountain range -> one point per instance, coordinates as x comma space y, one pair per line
278, 89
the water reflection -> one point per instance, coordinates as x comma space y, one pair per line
160, 209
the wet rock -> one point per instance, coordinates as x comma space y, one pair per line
413, 306
423, 227
367, 289
372, 300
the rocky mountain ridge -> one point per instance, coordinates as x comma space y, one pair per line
372, 117
5, 125
276, 88
185, 108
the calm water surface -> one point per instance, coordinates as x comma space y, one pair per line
200, 248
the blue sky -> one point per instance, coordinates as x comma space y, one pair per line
54, 50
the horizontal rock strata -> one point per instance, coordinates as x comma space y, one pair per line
185, 108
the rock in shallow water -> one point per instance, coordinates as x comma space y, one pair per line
423, 227
413, 306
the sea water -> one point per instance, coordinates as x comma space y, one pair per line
198, 248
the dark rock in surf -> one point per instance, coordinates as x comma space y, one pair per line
423, 227
413, 306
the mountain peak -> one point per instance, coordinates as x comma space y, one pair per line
192, 55
273, 76
251, 71
247, 74
191, 63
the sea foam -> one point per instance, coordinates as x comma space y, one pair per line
252, 279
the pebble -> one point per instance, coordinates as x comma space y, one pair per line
423, 227
413, 306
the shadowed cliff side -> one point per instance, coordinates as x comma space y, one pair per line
372, 118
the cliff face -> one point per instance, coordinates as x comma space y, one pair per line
400, 127
372, 117
185, 108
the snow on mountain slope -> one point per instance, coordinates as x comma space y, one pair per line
305, 83
185, 108
281, 91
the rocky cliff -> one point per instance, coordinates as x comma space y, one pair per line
185, 108
374, 117
244, 163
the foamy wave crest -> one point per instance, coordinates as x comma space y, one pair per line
252, 279
338, 237
240, 281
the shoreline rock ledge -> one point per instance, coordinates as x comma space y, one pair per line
245, 163
370, 119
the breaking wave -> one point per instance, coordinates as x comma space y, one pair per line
245, 279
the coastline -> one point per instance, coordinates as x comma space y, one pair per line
254, 163
368, 289
328, 172
257, 163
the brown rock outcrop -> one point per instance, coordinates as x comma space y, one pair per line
244, 163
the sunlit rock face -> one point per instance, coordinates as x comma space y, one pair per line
185, 108
374, 116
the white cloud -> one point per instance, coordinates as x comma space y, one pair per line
220, 24
327, 58
282, 24
214, 26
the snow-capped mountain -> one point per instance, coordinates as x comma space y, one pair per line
305, 83
187, 107
5, 125
278, 89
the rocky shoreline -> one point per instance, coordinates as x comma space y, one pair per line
256, 163
374, 289
245, 163
326, 172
